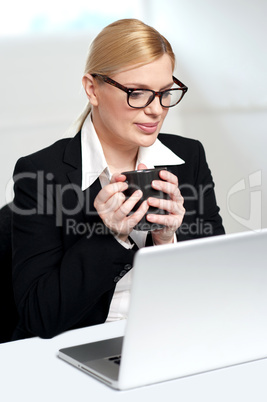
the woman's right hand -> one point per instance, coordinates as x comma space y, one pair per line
113, 208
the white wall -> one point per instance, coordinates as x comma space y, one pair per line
220, 56
220, 48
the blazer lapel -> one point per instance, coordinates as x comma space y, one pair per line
81, 200
73, 160
89, 210
72, 192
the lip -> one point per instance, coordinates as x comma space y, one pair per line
147, 127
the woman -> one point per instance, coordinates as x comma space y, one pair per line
73, 237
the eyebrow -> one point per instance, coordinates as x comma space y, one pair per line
144, 86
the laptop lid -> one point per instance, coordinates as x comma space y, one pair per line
195, 306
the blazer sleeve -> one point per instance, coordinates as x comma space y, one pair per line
202, 217
58, 288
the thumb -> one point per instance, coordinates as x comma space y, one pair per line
116, 177
141, 166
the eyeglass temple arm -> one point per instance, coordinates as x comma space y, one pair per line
184, 87
111, 82
116, 84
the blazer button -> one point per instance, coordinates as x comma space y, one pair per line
127, 267
116, 279
123, 272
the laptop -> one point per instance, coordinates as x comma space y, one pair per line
195, 306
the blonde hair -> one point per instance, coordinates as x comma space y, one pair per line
121, 45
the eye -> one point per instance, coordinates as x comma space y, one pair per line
137, 94
166, 94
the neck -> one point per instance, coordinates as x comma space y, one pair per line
120, 161
120, 156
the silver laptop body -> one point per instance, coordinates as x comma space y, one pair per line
195, 306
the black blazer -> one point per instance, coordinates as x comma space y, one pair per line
66, 263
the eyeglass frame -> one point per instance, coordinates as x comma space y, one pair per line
110, 81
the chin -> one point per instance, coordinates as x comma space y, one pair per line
148, 140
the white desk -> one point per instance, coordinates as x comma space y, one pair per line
31, 371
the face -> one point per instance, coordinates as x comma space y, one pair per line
119, 125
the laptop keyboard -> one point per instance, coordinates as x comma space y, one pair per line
115, 359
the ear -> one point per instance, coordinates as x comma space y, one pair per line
90, 87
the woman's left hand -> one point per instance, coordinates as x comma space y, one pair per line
174, 206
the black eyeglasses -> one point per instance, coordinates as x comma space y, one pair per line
139, 98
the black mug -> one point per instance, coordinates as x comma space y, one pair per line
141, 180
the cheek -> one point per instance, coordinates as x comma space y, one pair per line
114, 107
164, 113
162, 117
121, 114
116, 118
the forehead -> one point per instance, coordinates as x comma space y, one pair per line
155, 74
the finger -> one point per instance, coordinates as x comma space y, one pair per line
169, 222
134, 218
141, 166
172, 207
128, 205
113, 203
141, 211
168, 184
109, 190
117, 177
127, 224
169, 188
168, 176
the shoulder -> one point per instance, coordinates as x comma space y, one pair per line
185, 148
53, 155
54, 150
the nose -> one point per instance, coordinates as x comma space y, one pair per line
154, 107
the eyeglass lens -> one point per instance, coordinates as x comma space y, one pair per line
141, 98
